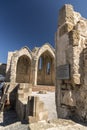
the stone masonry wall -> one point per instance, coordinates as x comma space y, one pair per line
71, 62
17, 60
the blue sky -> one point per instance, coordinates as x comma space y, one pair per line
31, 22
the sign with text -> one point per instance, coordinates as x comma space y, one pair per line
63, 71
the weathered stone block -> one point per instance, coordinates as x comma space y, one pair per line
66, 14
32, 119
21, 96
43, 115
20, 91
68, 98
27, 90
65, 29
76, 79
39, 106
26, 95
35, 110
74, 37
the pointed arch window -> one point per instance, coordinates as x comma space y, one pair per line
40, 63
48, 68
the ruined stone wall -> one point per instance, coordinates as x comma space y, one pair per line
22, 66
12, 63
71, 87
28, 107
45, 76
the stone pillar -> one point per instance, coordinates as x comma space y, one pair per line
66, 19
71, 65
64, 60
34, 71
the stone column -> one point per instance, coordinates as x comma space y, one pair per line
34, 71
63, 58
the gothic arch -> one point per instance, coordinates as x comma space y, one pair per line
23, 54
46, 47
23, 70
45, 65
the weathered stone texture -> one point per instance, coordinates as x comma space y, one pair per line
65, 29
28, 107
66, 14
23, 65
38, 112
74, 37
71, 48
68, 98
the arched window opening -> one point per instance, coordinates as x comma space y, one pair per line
45, 70
23, 70
40, 63
23, 64
48, 68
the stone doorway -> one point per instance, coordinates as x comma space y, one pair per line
23, 70
45, 73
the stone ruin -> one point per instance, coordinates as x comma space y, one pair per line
35, 67
24, 69
28, 107
71, 64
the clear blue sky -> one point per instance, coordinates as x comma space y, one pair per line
31, 22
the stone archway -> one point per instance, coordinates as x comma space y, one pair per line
23, 70
45, 72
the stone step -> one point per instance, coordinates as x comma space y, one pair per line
16, 126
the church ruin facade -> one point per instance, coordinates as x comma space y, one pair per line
24, 70
35, 67
71, 64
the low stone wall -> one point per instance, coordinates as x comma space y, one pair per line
36, 110
23, 92
28, 107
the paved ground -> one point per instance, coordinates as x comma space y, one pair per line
57, 124
49, 103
